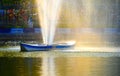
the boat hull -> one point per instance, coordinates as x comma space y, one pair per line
35, 47
28, 47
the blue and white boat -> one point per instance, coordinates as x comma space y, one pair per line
64, 45
41, 47
34, 47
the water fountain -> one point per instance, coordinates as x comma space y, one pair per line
48, 12
96, 23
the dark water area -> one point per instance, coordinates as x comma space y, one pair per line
60, 66
20, 66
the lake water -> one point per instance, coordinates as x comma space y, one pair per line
59, 64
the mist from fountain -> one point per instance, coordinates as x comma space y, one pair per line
48, 12
91, 22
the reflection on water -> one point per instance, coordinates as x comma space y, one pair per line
87, 66
60, 66
20, 66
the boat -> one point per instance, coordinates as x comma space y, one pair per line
65, 45
42, 47
34, 47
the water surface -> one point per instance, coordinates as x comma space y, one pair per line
60, 66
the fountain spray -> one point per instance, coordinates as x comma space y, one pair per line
48, 11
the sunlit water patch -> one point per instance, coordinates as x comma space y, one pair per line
60, 66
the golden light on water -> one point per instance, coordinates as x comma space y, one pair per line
80, 66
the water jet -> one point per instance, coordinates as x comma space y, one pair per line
48, 12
